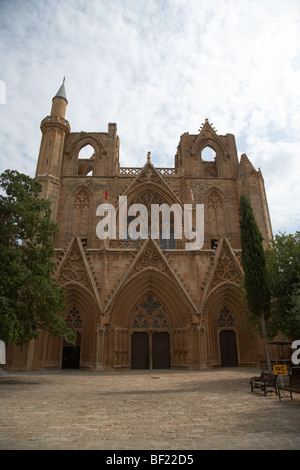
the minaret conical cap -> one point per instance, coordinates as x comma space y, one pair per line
62, 92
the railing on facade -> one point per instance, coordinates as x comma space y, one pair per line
135, 244
126, 171
125, 244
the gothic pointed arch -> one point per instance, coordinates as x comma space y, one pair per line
149, 178
208, 137
226, 294
149, 283
150, 268
73, 268
81, 140
85, 166
80, 298
138, 286
224, 310
82, 314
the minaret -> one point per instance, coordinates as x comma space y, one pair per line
55, 129
59, 102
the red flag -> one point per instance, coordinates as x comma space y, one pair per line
106, 194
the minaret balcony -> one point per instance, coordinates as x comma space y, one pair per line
51, 121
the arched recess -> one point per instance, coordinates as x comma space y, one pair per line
81, 212
82, 140
223, 298
149, 280
87, 164
152, 187
215, 225
212, 142
79, 297
183, 337
211, 167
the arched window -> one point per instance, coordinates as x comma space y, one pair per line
86, 159
86, 152
208, 154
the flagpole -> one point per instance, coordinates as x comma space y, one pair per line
192, 195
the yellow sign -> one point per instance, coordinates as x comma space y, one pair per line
280, 369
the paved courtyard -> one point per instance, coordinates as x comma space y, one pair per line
161, 410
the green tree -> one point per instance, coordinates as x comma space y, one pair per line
283, 263
30, 300
255, 280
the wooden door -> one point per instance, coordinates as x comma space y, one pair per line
140, 350
161, 350
228, 349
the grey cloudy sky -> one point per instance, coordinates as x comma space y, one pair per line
158, 68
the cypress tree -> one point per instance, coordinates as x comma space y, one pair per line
255, 271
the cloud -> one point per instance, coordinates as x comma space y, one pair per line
158, 68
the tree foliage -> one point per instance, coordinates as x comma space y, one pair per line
255, 281
283, 262
30, 300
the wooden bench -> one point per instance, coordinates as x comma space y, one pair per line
292, 387
265, 382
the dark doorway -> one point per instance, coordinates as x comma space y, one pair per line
228, 349
71, 354
140, 350
161, 350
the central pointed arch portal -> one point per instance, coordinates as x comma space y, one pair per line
150, 337
150, 325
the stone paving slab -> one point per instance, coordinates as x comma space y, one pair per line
138, 410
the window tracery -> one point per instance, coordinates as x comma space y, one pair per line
215, 200
74, 269
81, 212
73, 319
82, 199
225, 319
150, 314
226, 269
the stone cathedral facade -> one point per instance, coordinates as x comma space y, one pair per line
146, 304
